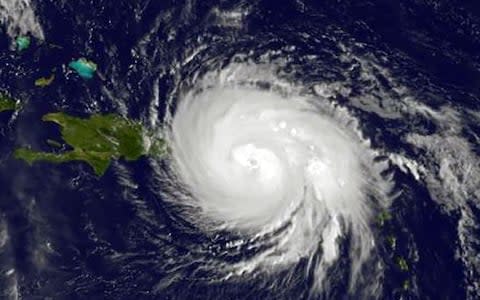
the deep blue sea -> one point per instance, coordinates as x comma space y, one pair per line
407, 72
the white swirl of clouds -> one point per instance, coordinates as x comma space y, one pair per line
253, 161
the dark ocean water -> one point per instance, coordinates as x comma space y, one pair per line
72, 235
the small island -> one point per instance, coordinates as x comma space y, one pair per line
97, 141
23, 43
84, 67
7, 103
45, 81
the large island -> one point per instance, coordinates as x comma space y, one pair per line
97, 140
7, 103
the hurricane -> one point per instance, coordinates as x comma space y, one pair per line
251, 149
278, 167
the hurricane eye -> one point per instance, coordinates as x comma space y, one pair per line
273, 162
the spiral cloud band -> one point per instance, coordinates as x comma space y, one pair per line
253, 161
250, 156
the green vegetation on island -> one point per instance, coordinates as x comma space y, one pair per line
402, 264
44, 81
383, 218
7, 103
406, 285
85, 68
97, 141
392, 241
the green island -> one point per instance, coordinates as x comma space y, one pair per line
383, 218
7, 103
97, 140
406, 285
402, 264
45, 81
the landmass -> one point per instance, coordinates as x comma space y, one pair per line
85, 68
402, 264
406, 285
23, 43
7, 103
383, 218
392, 241
45, 81
97, 141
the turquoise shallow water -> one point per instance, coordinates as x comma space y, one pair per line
405, 73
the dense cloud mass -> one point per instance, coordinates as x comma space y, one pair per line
316, 150
259, 161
